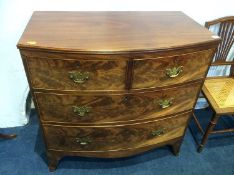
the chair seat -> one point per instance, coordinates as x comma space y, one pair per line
220, 94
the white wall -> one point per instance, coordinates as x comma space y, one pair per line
14, 15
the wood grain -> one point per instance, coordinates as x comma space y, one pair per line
112, 31
126, 54
55, 155
149, 73
114, 137
54, 74
115, 108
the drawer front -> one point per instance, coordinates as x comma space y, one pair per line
71, 138
76, 75
112, 108
163, 71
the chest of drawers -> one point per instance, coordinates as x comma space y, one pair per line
114, 84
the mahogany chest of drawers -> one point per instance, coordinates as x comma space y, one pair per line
114, 84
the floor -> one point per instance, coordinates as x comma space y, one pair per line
25, 155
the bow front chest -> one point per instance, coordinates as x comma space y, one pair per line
114, 84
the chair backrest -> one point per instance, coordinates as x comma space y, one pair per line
226, 33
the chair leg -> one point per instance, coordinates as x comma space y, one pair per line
208, 130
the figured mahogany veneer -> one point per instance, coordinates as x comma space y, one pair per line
54, 74
114, 84
151, 72
148, 72
116, 107
113, 138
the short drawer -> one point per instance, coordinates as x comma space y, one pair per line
164, 71
74, 138
116, 107
59, 74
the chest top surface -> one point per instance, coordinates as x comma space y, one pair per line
112, 31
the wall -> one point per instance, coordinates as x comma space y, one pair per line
15, 14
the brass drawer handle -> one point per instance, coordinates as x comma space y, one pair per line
78, 77
84, 140
158, 132
165, 103
81, 110
174, 72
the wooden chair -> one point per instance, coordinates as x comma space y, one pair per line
219, 91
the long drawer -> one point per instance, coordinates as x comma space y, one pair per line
116, 107
170, 70
77, 138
